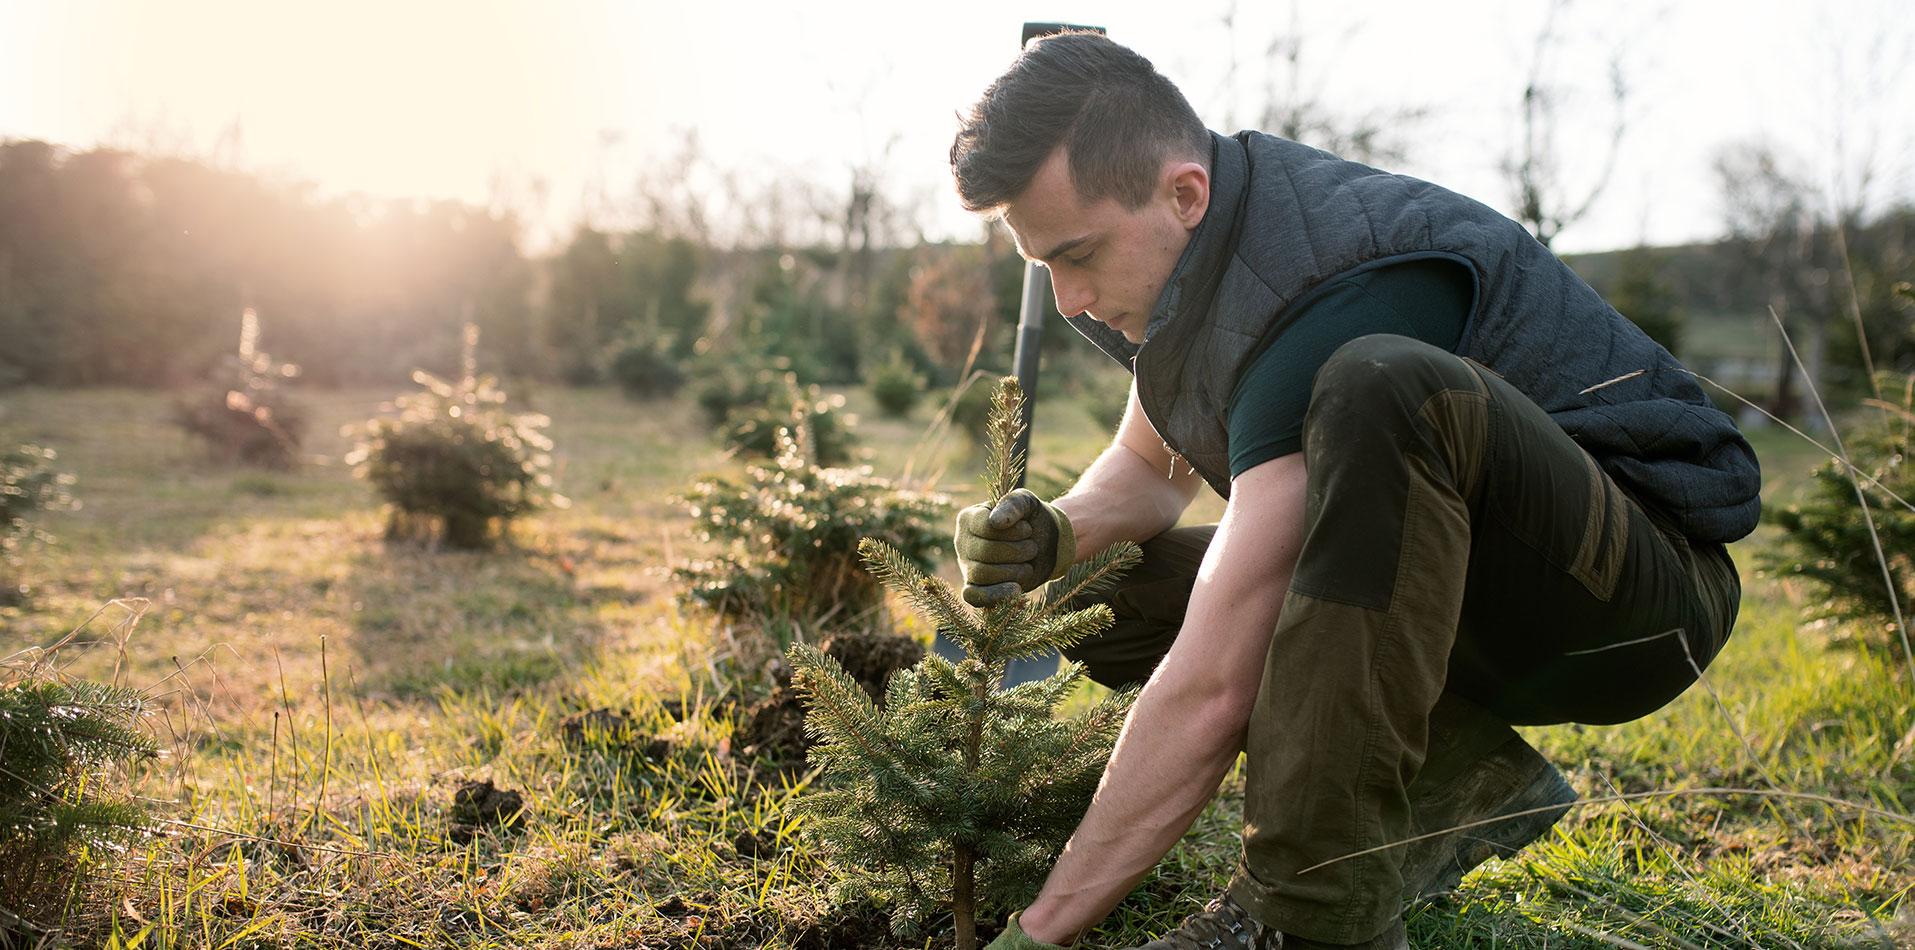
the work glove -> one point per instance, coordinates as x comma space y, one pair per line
1014, 547
1014, 938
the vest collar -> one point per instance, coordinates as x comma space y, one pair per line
1194, 281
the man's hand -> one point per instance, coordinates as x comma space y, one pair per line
1014, 547
1014, 938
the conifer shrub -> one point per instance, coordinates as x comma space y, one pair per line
955, 793
1863, 572
644, 369
740, 380
897, 386
62, 811
28, 485
455, 465
788, 536
752, 431
242, 414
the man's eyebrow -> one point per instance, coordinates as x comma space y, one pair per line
1064, 248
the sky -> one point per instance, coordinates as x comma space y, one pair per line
556, 109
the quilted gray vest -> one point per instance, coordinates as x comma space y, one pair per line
1284, 218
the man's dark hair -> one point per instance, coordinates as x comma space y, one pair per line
1117, 117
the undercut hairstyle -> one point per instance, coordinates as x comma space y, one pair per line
1118, 119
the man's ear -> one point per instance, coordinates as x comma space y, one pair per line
1189, 184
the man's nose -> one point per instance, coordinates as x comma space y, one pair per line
1073, 296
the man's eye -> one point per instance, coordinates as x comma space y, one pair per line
1080, 261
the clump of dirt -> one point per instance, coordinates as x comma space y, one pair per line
613, 730
871, 658
774, 729
854, 928
477, 806
754, 844
673, 906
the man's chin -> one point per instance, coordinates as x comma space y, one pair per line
1122, 324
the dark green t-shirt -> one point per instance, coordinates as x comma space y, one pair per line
1428, 300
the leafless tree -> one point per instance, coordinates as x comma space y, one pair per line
1781, 243
1547, 199
1292, 104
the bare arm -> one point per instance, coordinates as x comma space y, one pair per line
1131, 492
1188, 724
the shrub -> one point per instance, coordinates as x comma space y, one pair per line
60, 813
736, 380
1826, 537
752, 431
789, 536
896, 386
644, 370
242, 414
455, 464
28, 484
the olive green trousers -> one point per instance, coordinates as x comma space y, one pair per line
1456, 541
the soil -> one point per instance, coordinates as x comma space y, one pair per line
857, 928
754, 845
871, 658
774, 730
611, 729
477, 806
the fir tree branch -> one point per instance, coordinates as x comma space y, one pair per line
1004, 465
843, 713
1094, 575
1092, 733
1040, 636
930, 596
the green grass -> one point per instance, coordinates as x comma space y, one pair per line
326, 694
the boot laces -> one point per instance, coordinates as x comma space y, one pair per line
1222, 923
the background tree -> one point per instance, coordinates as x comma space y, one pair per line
1782, 245
1290, 101
1642, 292
1549, 196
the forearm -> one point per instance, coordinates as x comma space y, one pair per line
1120, 497
1166, 768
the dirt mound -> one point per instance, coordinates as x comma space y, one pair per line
612, 730
477, 806
774, 729
858, 928
690, 927
871, 658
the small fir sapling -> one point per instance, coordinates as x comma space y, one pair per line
61, 814
789, 535
1852, 534
956, 792
456, 461
243, 414
28, 485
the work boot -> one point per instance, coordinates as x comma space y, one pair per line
1511, 779
1223, 924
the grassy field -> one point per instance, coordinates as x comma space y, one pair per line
333, 706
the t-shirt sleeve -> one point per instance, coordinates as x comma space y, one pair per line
1428, 300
